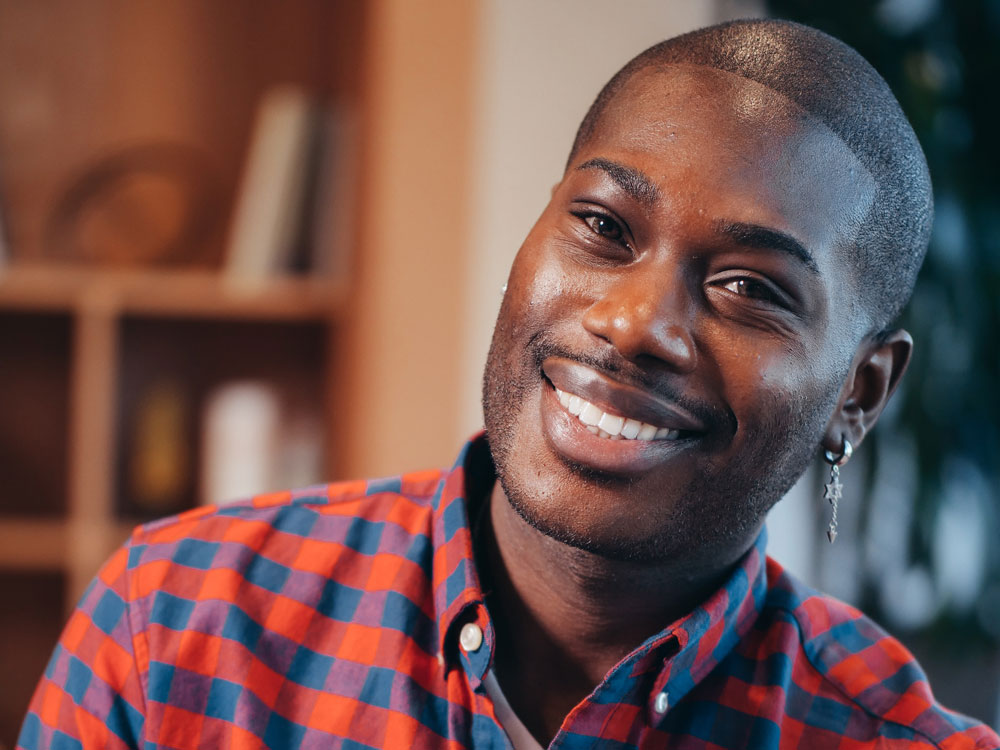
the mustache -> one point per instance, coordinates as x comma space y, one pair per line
608, 362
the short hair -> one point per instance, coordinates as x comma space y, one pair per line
836, 85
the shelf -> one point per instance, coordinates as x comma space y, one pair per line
167, 372
88, 350
43, 544
33, 544
167, 293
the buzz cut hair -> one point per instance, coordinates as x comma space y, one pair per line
834, 84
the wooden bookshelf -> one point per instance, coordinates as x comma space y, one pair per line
101, 306
81, 82
78, 347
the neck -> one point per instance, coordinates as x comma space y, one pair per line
564, 616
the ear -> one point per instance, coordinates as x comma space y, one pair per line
875, 372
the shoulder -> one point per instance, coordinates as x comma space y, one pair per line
322, 514
269, 543
864, 678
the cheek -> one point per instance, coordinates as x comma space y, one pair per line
770, 389
537, 272
541, 289
535, 297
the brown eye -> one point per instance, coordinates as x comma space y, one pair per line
607, 228
752, 289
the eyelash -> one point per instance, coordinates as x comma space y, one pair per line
592, 218
766, 293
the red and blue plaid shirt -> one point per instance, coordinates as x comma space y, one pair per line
330, 618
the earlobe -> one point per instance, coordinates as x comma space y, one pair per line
874, 375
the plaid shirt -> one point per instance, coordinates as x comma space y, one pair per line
293, 619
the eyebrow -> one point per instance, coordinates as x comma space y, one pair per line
632, 181
765, 238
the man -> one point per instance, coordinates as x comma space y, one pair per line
704, 305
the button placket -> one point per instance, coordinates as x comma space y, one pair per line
475, 646
660, 694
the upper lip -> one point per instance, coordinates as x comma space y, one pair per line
619, 398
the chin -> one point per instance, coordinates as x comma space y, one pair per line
597, 514
600, 542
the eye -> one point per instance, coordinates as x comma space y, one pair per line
753, 289
606, 227
752, 292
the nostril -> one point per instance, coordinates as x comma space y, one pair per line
643, 331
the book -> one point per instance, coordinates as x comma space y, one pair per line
239, 441
269, 206
255, 440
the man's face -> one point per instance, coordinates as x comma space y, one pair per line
690, 274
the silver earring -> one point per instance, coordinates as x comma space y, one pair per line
833, 488
503, 289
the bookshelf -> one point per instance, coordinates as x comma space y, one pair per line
80, 348
78, 340
94, 325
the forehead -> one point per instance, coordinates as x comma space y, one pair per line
737, 149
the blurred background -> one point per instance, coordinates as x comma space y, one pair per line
250, 244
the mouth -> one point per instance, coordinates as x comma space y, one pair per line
615, 408
598, 423
612, 426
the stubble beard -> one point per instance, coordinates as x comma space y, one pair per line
713, 517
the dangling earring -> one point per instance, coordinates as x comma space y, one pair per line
503, 289
832, 490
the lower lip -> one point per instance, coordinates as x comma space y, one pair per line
570, 438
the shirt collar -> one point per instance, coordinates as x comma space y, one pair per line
454, 578
698, 641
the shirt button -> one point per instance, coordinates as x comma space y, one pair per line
471, 637
662, 703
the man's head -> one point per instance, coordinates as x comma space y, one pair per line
707, 266
838, 87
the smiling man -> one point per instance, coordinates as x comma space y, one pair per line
704, 307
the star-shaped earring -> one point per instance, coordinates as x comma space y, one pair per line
832, 490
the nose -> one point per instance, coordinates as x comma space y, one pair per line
646, 313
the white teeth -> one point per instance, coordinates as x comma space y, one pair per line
631, 428
648, 432
612, 426
590, 414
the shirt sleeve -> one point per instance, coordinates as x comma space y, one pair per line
91, 695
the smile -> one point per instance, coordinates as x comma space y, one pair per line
597, 422
612, 426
